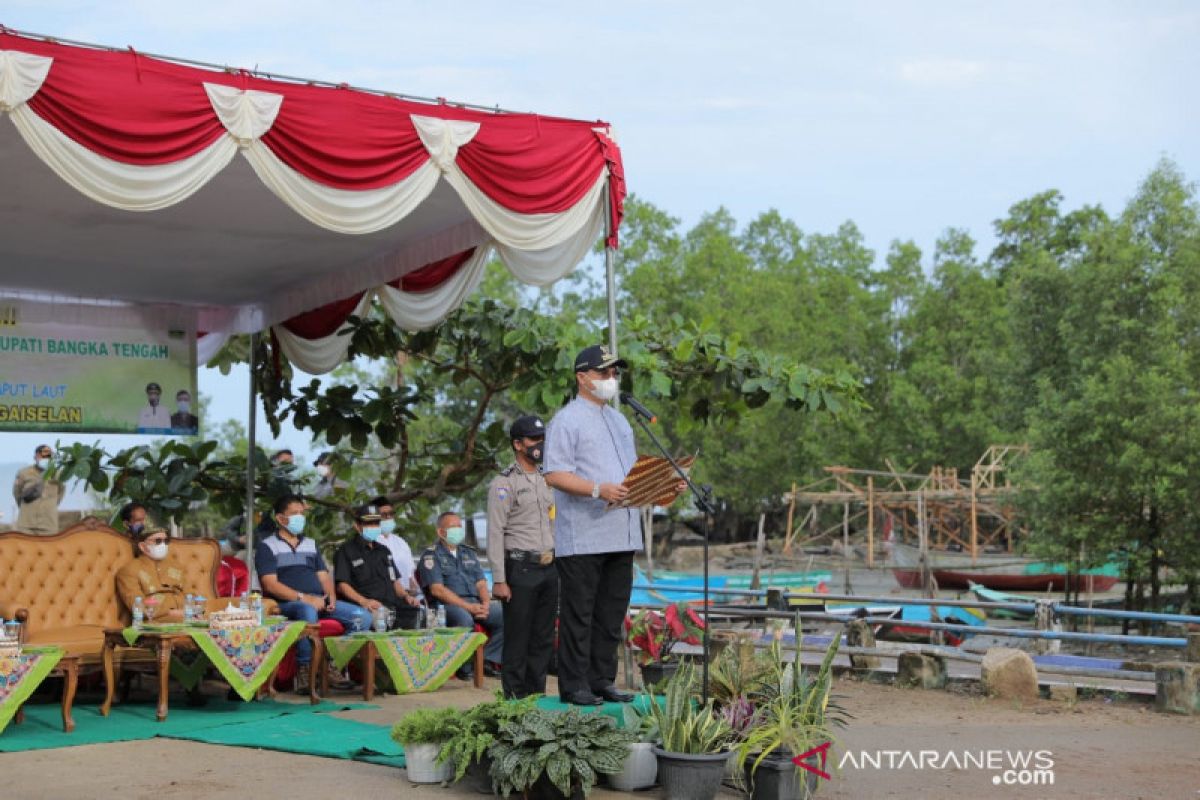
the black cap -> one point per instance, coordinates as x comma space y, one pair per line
153, 387
598, 356
324, 458
367, 513
529, 426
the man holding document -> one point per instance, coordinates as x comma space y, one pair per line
589, 451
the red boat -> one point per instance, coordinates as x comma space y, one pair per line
1005, 576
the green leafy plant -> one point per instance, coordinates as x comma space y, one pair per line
570, 748
793, 710
644, 726
473, 731
684, 725
426, 726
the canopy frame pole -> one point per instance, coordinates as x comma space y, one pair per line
610, 277
251, 431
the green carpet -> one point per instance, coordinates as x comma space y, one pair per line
307, 734
42, 728
614, 710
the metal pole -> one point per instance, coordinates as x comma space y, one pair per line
251, 431
610, 277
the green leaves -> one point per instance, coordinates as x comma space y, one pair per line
570, 748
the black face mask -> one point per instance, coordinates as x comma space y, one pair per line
136, 528
534, 452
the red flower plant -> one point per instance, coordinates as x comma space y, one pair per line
655, 634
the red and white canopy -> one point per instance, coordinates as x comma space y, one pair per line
339, 197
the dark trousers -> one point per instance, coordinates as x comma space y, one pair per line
528, 627
593, 610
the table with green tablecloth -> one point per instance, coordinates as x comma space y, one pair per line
416, 661
245, 657
20, 676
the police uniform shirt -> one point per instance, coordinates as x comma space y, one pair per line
520, 516
369, 569
458, 571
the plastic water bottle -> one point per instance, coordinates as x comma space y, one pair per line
244, 602
441, 616
256, 605
189, 609
379, 619
201, 606
139, 612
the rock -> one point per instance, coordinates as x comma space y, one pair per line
1192, 653
1009, 674
1064, 694
859, 634
921, 671
1178, 687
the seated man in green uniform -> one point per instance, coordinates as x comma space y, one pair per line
364, 573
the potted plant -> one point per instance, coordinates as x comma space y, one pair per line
473, 732
640, 769
654, 634
546, 754
422, 734
693, 740
792, 715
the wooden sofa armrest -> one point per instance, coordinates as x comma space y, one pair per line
14, 611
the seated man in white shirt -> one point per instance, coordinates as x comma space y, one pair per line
402, 555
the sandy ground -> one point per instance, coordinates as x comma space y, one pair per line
1099, 750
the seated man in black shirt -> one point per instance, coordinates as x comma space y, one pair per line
365, 574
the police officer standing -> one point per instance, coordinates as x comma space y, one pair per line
520, 548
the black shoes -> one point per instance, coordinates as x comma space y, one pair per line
582, 697
612, 694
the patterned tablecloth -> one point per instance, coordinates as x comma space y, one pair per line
417, 661
21, 674
245, 657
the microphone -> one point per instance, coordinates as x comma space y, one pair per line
638, 408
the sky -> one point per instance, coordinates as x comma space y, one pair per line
906, 118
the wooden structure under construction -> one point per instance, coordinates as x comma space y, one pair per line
947, 511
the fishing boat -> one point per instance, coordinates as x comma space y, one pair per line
955, 571
958, 615
669, 587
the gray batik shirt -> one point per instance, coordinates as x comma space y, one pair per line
594, 442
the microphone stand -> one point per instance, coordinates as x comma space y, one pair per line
704, 501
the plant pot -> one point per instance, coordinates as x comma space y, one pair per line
685, 776
479, 777
544, 789
639, 771
420, 762
656, 672
777, 778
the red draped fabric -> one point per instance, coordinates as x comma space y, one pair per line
325, 320
139, 110
432, 275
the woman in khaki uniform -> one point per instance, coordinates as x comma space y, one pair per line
154, 576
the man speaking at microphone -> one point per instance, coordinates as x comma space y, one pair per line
589, 450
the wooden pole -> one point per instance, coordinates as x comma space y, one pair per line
974, 518
759, 547
787, 539
846, 589
870, 521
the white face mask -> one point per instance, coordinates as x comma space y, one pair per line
157, 551
184, 406
606, 389
323, 470
43, 464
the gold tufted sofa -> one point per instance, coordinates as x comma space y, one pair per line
63, 587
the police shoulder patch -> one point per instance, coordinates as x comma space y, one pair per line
501, 492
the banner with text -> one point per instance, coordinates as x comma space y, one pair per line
73, 378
